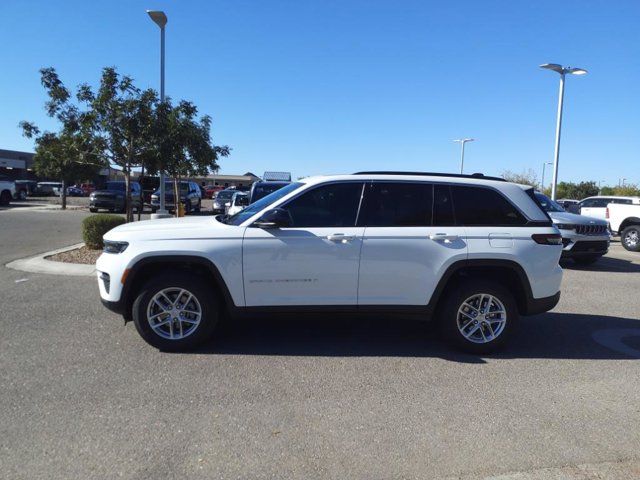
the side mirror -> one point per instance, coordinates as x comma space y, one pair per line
275, 218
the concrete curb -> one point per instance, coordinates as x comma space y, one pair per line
39, 264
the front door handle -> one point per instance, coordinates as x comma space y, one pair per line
340, 238
443, 237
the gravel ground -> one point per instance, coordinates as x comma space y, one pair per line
79, 255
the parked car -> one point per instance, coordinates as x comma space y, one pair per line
262, 189
477, 250
566, 203
48, 189
239, 201
222, 200
25, 188
112, 197
189, 197
211, 190
74, 191
584, 239
624, 220
597, 206
87, 188
7, 190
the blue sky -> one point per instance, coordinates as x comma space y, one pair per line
337, 86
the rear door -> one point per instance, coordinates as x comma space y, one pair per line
410, 239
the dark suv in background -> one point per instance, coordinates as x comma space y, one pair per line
262, 189
112, 197
190, 197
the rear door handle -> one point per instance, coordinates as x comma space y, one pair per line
340, 238
443, 237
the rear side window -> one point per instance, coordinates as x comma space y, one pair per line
398, 205
476, 206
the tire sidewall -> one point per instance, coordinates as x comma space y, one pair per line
447, 315
200, 289
635, 248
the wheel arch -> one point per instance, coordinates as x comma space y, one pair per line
627, 222
145, 268
508, 273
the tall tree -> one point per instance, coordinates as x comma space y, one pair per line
183, 143
75, 151
124, 114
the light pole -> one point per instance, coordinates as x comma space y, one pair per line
160, 19
562, 71
462, 141
544, 165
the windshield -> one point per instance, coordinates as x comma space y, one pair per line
115, 186
225, 194
168, 187
261, 204
547, 204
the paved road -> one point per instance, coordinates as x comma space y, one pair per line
83, 397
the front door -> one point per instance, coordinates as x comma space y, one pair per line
313, 262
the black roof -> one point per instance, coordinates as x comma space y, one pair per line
434, 174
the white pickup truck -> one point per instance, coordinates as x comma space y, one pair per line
7, 190
625, 220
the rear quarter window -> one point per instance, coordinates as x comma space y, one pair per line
478, 206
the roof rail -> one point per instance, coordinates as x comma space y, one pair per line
434, 174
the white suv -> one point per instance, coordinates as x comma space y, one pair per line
472, 252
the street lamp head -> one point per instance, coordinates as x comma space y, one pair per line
158, 17
464, 140
576, 71
562, 70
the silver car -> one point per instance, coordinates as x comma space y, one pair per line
585, 239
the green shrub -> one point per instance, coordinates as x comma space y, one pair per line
95, 226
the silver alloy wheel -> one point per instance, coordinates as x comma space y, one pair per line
174, 313
481, 318
631, 238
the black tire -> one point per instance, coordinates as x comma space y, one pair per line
5, 197
187, 207
586, 260
154, 210
199, 207
630, 238
448, 315
201, 291
93, 210
22, 195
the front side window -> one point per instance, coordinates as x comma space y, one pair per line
476, 206
398, 205
332, 205
261, 204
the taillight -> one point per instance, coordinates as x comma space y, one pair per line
606, 213
547, 238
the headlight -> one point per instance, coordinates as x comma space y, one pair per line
565, 226
154, 197
114, 247
92, 196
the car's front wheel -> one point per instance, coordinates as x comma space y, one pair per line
630, 238
477, 316
176, 312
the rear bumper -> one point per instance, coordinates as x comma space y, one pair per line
540, 305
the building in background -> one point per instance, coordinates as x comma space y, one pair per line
227, 181
16, 165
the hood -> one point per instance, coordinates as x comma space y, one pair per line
574, 219
172, 228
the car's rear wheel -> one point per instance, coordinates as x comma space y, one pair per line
5, 197
176, 312
22, 195
630, 238
93, 210
199, 207
477, 316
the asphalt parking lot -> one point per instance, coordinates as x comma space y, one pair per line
84, 397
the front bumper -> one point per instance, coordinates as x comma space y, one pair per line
577, 245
